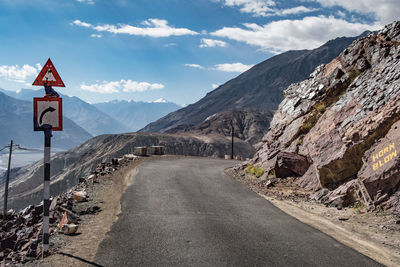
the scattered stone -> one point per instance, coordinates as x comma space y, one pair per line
344, 218
69, 229
90, 210
79, 196
271, 182
319, 194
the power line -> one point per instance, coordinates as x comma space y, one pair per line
19, 147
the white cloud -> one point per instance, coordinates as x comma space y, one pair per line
214, 86
226, 67
17, 73
283, 35
103, 88
384, 11
153, 28
124, 85
341, 14
132, 86
197, 66
77, 22
89, 2
293, 11
212, 43
264, 8
233, 67
255, 7
96, 35
169, 44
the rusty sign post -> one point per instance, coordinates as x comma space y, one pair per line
47, 117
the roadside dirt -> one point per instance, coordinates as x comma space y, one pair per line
80, 249
374, 234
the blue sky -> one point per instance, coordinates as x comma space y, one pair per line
173, 49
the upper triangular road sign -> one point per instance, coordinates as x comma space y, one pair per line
49, 75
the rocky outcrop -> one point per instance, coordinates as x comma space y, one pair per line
343, 118
249, 125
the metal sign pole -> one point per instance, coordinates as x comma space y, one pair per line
46, 187
47, 117
7, 181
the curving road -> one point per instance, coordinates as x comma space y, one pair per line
187, 212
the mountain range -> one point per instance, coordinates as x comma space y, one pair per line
136, 115
93, 119
16, 123
261, 87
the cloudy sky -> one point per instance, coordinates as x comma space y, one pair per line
173, 49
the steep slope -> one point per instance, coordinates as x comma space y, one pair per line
249, 125
84, 114
136, 115
261, 87
339, 129
16, 122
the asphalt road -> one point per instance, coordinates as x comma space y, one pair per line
187, 212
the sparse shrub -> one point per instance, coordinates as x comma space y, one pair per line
254, 170
271, 174
320, 107
299, 142
379, 211
306, 127
358, 206
248, 168
258, 172
353, 73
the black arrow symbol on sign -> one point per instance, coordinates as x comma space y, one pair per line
50, 109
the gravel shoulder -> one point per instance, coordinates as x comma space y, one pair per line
374, 234
80, 249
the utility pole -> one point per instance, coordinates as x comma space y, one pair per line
233, 131
7, 181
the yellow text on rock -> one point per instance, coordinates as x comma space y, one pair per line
384, 156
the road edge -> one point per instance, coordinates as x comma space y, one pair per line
344, 236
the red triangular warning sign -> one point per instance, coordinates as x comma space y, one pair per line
49, 75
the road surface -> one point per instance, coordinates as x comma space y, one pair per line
188, 212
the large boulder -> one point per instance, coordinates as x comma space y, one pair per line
381, 170
290, 164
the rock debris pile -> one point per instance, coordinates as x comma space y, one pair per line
345, 121
21, 232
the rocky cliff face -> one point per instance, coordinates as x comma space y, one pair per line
344, 118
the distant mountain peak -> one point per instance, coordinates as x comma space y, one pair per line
160, 100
